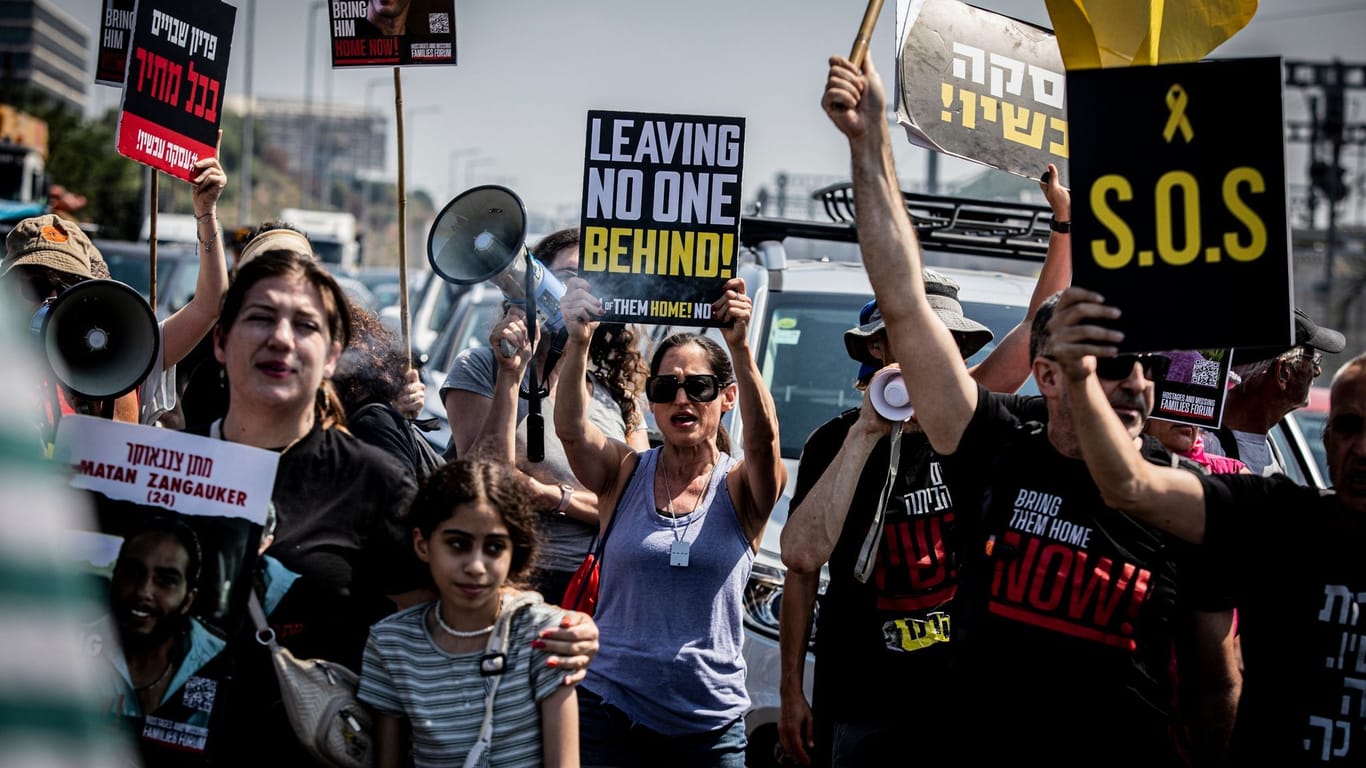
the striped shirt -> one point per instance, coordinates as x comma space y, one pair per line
442, 694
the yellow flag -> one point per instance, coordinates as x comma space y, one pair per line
1121, 33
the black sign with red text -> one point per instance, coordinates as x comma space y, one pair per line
367, 33
116, 29
173, 94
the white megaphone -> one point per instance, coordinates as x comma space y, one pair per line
100, 338
479, 236
888, 392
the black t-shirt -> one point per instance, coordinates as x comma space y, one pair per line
340, 505
894, 629
1063, 627
1297, 575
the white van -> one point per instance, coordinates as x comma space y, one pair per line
332, 233
171, 228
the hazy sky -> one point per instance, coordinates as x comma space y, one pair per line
513, 110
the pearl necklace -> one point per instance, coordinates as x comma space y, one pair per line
458, 632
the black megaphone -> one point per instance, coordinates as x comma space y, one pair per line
100, 338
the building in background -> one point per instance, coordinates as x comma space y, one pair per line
44, 47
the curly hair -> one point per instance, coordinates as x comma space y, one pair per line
614, 353
471, 481
372, 366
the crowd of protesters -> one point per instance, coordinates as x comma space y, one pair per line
1153, 631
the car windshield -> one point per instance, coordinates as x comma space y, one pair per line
804, 363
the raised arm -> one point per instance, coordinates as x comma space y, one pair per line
939, 385
594, 457
761, 471
1009, 365
814, 523
184, 329
497, 437
1168, 498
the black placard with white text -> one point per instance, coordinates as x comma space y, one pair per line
661, 214
368, 33
177, 74
116, 30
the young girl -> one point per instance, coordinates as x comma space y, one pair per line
475, 529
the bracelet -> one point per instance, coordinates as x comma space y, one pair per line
198, 217
202, 241
1063, 227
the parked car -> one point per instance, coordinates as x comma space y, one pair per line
1298, 439
177, 270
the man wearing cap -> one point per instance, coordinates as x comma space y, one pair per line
1273, 381
1067, 612
885, 611
45, 255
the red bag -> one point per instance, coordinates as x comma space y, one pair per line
582, 592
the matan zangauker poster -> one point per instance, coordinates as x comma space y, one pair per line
172, 551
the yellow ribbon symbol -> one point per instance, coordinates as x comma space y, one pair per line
1176, 102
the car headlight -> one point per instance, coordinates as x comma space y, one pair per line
764, 601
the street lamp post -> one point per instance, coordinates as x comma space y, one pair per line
471, 164
455, 157
408, 116
310, 126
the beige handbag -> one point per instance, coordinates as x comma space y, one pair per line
320, 697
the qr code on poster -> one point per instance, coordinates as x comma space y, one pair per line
199, 693
1205, 373
439, 23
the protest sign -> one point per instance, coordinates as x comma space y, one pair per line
116, 30
1193, 390
173, 94
661, 214
178, 471
981, 86
1179, 171
387, 32
173, 549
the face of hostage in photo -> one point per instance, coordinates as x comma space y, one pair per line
150, 587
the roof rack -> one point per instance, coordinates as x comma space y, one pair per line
949, 224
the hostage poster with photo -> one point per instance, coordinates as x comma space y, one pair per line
1194, 388
116, 30
367, 33
173, 549
661, 214
173, 92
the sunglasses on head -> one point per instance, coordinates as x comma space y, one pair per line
1119, 367
699, 387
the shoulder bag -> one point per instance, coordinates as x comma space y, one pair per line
582, 593
320, 698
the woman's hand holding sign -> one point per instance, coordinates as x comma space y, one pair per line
735, 309
579, 308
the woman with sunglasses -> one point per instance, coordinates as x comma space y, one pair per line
668, 684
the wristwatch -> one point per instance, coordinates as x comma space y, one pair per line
1060, 226
566, 496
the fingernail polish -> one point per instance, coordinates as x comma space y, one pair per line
538, 643
552, 662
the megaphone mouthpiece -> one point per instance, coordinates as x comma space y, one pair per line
888, 392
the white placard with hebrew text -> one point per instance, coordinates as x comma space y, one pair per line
185, 473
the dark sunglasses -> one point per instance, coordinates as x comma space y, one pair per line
38, 286
699, 387
1119, 367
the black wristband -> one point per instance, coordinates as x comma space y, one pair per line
1060, 226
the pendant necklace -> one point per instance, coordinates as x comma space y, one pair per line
142, 689
458, 632
678, 550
